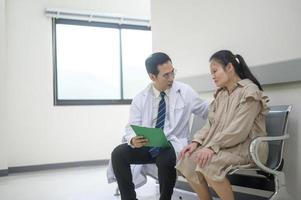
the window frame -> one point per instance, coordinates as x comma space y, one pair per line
78, 102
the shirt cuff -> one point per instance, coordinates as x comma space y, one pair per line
129, 139
215, 148
199, 142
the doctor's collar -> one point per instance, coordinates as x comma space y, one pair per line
157, 92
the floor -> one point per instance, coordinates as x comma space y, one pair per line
81, 183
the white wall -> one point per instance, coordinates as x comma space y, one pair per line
3, 160
38, 132
191, 31
262, 31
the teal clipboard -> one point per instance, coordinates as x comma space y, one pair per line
155, 136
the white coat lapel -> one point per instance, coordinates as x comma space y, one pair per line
176, 102
147, 107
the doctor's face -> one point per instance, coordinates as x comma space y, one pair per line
165, 78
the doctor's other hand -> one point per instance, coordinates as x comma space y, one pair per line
138, 141
188, 149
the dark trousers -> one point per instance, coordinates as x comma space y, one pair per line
124, 155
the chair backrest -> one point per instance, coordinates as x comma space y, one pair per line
276, 125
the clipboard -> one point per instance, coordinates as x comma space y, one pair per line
155, 136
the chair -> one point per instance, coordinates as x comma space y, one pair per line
270, 178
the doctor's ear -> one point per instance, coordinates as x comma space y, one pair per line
152, 77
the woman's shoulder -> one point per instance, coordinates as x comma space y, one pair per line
248, 86
251, 91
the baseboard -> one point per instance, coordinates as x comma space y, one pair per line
32, 168
3, 172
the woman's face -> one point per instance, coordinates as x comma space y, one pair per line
219, 75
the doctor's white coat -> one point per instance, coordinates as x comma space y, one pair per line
183, 102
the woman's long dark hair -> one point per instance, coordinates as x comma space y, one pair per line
225, 57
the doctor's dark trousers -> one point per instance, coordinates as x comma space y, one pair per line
124, 155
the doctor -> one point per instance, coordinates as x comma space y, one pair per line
165, 104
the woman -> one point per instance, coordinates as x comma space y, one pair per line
236, 116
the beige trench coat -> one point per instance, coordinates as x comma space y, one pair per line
234, 119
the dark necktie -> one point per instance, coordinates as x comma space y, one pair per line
154, 151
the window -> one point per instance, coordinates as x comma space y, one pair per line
99, 63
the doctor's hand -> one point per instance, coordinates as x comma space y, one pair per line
204, 156
188, 149
138, 141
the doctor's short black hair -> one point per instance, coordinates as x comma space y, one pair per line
152, 62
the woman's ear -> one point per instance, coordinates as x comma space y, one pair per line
230, 67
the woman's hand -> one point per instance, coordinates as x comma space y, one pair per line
188, 149
204, 156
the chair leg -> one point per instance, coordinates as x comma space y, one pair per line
117, 193
281, 192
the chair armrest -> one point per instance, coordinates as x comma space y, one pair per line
254, 150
